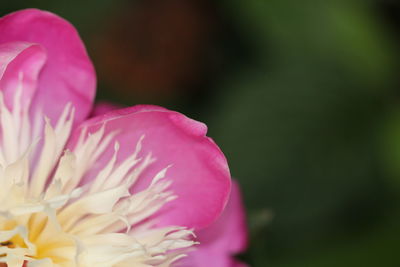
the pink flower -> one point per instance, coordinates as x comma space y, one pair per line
126, 188
221, 240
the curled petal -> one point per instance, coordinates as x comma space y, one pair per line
223, 239
20, 65
68, 74
199, 171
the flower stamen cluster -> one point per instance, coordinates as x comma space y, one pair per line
52, 213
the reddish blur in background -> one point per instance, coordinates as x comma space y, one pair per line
302, 96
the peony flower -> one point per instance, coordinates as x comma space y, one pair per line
130, 187
221, 240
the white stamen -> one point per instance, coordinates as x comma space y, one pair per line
54, 211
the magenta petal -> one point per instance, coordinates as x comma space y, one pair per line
20, 66
199, 171
223, 239
68, 74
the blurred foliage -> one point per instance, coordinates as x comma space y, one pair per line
303, 128
302, 96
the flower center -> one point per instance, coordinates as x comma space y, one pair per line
51, 214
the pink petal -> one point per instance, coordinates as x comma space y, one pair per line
68, 74
199, 171
19, 68
223, 239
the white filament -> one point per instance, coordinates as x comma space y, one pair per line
47, 218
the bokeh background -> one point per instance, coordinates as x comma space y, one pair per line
302, 96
